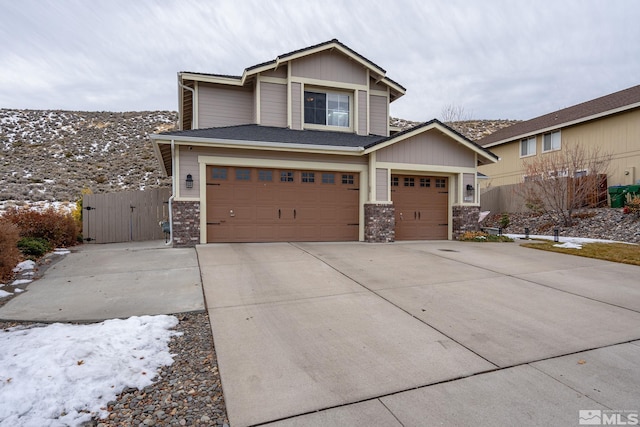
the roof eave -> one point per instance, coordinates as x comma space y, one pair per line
564, 124
257, 145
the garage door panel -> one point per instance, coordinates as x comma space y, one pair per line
421, 207
281, 205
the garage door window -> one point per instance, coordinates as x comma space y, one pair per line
265, 175
243, 175
347, 179
328, 178
409, 182
308, 177
286, 176
441, 183
395, 181
425, 182
219, 173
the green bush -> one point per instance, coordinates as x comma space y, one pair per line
504, 220
33, 247
9, 253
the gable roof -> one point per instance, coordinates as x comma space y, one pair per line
606, 105
397, 89
433, 124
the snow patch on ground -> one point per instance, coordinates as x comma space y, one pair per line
61, 374
21, 282
4, 294
568, 245
25, 265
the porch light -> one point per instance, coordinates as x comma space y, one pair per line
189, 181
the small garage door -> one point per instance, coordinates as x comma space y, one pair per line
421, 207
278, 205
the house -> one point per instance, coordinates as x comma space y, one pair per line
611, 122
299, 149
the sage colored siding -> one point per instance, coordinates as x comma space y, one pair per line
220, 105
378, 115
329, 66
273, 104
428, 148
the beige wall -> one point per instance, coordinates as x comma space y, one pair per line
220, 105
382, 185
379, 115
428, 148
362, 112
273, 104
618, 135
330, 66
296, 106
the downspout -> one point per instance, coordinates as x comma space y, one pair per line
193, 105
173, 193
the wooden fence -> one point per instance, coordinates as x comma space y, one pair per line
124, 216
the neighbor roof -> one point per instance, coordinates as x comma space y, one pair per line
610, 104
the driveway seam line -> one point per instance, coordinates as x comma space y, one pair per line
395, 305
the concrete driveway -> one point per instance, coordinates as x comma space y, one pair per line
119, 280
420, 333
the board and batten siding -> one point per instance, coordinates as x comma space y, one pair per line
224, 106
296, 106
273, 104
362, 112
382, 185
329, 66
378, 115
428, 148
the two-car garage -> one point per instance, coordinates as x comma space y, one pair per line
248, 204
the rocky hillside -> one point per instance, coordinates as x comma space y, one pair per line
54, 155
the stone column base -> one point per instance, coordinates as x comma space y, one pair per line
379, 223
186, 223
465, 218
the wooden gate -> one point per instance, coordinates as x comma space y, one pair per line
125, 216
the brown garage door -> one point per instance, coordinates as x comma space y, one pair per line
421, 207
281, 205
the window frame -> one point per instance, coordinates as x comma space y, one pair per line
528, 141
327, 92
551, 140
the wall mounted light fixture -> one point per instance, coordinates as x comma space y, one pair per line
189, 181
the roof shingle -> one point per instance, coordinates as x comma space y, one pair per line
584, 110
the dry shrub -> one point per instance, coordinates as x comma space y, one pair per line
56, 227
9, 253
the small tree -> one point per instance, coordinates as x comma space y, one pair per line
454, 113
563, 181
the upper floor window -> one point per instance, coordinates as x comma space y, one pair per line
551, 141
326, 108
528, 147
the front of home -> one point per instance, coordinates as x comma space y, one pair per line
299, 149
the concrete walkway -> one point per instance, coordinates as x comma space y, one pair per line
420, 333
98, 282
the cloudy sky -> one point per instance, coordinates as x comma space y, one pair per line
494, 59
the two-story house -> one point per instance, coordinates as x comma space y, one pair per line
299, 149
611, 123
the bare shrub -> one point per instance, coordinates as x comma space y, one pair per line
9, 253
56, 227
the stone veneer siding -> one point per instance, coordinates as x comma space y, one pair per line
186, 223
465, 218
379, 223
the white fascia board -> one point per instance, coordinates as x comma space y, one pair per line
258, 145
565, 124
158, 154
234, 81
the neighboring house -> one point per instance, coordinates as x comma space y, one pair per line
611, 122
299, 149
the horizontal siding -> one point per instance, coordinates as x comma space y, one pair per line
224, 106
377, 86
330, 66
296, 106
362, 112
378, 116
189, 165
273, 104
429, 148
382, 182
279, 155
280, 73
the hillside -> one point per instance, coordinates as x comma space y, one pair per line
54, 155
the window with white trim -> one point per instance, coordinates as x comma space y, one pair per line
551, 141
326, 108
528, 147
